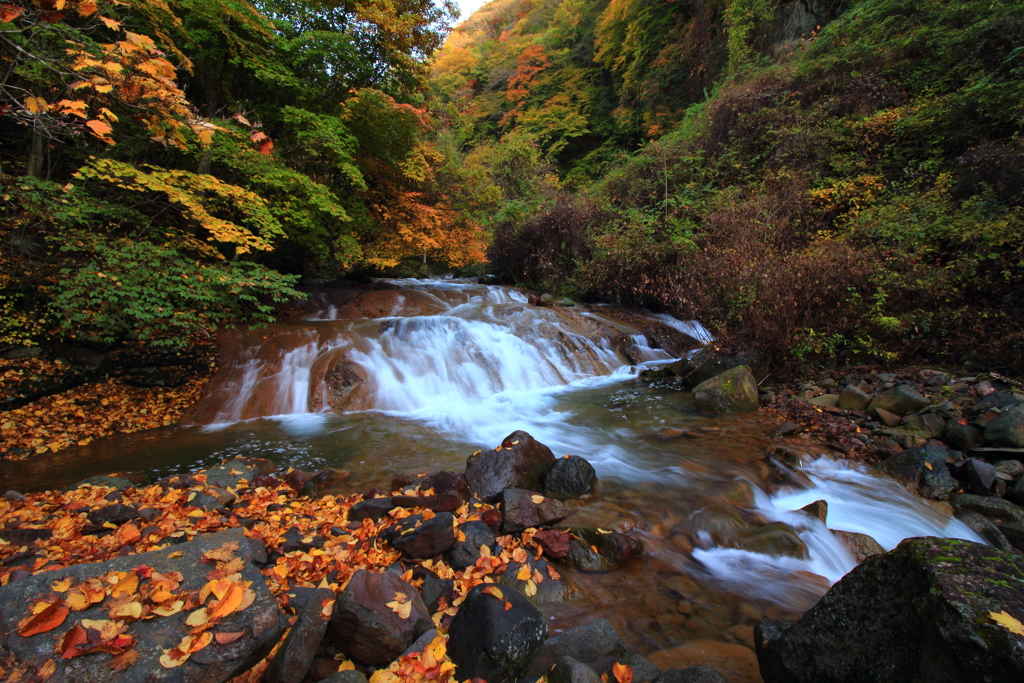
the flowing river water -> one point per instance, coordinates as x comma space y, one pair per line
417, 377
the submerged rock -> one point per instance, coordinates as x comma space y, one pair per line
586, 643
520, 462
495, 638
919, 614
595, 550
733, 391
861, 546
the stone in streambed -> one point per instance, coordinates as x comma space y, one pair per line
900, 400
861, 546
918, 614
570, 477
984, 527
885, 417
364, 627
990, 506
260, 622
733, 391
521, 462
961, 435
594, 550
818, 509
523, 509
852, 398
569, 670
549, 590
555, 542
466, 552
420, 539
923, 470
491, 642
372, 509
693, 674
1007, 429
443, 482
738, 664
643, 670
586, 643
117, 513
980, 475
825, 400
345, 677
442, 502
299, 647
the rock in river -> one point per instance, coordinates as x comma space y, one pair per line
922, 613
523, 509
366, 628
900, 400
571, 477
259, 623
420, 539
520, 462
597, 550
495, 635
733, 391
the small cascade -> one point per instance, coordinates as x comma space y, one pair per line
410, 349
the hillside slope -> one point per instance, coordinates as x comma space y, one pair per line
855, 192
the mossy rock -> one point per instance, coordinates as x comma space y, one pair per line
733, 391
919, 614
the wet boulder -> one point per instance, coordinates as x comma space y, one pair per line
733, 391
117, 513
923, 470
860, 546
540, 582
495, 635
422, 539
852, 398
693, 674
962, 436
555, 542
1007, 429
585, 643
296, 653
523, 509
900, 400
367, 629
520, 462
571, 477
597, 550
984, 527
442, 482
470, 538
569, 670
921, 613
260, 623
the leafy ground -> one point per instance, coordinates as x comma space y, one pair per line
78, 416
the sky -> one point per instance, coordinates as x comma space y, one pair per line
467, 7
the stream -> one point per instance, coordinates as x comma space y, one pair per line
418, 376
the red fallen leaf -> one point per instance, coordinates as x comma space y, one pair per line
47, 620
9, 13
228, 638
622, 673
508, 605
68, 646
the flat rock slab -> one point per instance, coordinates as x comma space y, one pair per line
260, 622
918, 614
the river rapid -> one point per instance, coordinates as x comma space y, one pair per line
418, 376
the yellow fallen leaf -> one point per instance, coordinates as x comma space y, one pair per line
63, 585
131, 609
1007, 622
198, 617
347, 665
173, 658
524, 573
169, 610
495, 591
537, 500
531, 589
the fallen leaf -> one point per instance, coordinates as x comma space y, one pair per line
495, 591
1007, 622
524, 573
228, 638
74, 637
173, 658
198, 618
231, 601
48, 619
622, 673
175, 554
537, 499
48, 668
124, 660
63, 585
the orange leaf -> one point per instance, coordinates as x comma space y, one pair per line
495, 591
102, 130
87, 7
622, 673
124, 660
47, 620
46, 670
508, 605
9, 13
111, 24
126, 586
228, 638
263, 143
229, 603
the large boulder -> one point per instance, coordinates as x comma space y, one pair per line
520, 462
1007, 429
733, 391
708, 362
260, 623
900, 400
495, 635
584, 643
367, 629
571, 477
421, 539
921, 613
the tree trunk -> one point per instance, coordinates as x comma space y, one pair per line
34, 165
205, 162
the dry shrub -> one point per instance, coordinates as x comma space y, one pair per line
548, 247
752, 276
